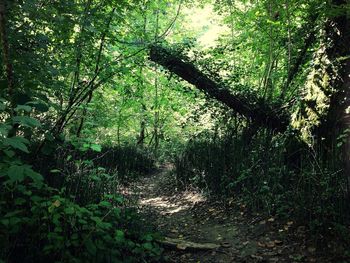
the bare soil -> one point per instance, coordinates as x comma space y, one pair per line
191, 215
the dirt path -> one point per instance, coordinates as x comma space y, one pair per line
189, 215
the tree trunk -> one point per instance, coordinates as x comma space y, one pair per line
6, 52
335, 128
142, 134
80, 128
271, 116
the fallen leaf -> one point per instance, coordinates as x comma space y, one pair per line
225, 244
181, 246
271, 219
262, 222
261, 244
278, 242
270, 244
57, 203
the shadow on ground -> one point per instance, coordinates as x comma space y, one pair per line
191, 216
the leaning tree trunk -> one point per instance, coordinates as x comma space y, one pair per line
253, 108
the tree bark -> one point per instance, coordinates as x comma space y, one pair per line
271, 116
337, 123
309, 39
187, 245
6, 52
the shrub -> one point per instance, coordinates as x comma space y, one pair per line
265, 177
40, 223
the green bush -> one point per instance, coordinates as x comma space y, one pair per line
73, 161
39, 223
266, 177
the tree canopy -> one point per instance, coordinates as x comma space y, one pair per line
246, 100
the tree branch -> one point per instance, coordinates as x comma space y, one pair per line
253, 108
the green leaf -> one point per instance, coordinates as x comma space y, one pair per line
4, 129
36, 177
116, 211
49, 137
20, 172
148, 237
2, 106
5, 222
25, 108
90, 246
17, 143
105, 204
69, 210
96, 147
13, 213
9, 153
20, 201
16, 173
118, 199
21, 98
26, 121
119, 236
97, 220
39, 106
36, 198
147, 246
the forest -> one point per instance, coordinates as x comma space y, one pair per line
174, 131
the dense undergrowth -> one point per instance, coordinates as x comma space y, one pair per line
78, 79
71, 210
71, 161
269, 176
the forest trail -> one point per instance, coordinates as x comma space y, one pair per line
189, 215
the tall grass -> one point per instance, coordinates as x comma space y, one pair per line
271, 173
88, 175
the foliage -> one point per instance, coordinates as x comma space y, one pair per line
40, 223
82, 159
82, 110
265, 176
41, 227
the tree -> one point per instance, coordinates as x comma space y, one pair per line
252, 108
335, 128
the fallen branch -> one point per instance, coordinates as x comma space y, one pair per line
181, 244
253, 108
